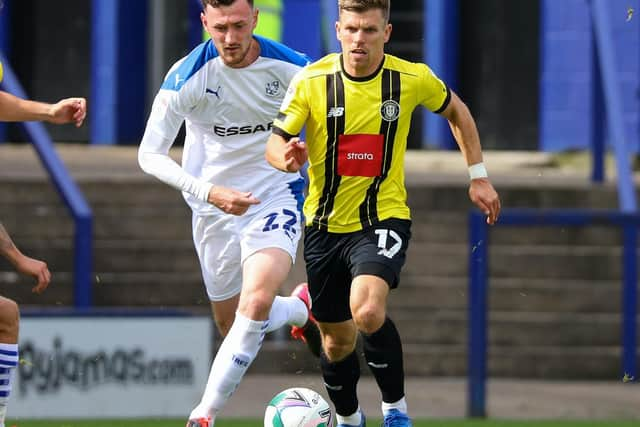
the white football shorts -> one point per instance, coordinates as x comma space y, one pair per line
224, 241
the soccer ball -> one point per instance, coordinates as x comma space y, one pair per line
298, 407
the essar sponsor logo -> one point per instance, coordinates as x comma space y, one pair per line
242, 130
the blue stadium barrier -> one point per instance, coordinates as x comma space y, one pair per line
118, 71
605, 50
441, 53
68, 190
4, 47
478, 285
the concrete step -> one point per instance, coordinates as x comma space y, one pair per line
580, 363
110, 222
524, 261
135, 289
510, 294
119, 255
432, 196
576, 363
453, 228
511, 328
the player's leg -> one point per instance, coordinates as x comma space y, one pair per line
376, 269
263, 272
224, 313
218, 247
309, 332
278, 224
341, 371
329, 282
9, 325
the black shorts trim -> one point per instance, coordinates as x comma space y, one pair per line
378, 270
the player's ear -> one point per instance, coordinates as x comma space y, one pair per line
203, 19
387, 32
338, 30
256, 12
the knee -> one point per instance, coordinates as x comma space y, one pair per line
256, 305
337, 347
9, 321
369, 318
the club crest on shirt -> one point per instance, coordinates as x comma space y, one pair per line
390, 110
273, 88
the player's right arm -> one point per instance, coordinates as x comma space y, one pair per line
169, 110
153, 154
24, 264
285, 150
286, 155
69, 110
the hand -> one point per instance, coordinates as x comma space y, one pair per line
485, 197
68, 110
231, 201
35, 268
295, 154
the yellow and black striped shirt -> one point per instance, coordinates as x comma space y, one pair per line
356, 135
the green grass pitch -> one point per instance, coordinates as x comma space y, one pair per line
258, 423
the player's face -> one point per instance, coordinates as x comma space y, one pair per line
231, 29
362, 37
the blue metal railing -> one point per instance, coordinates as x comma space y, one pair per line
68, 190
478, 285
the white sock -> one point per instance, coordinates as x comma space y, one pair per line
400, 405
235, 354
287, 310
8, 362
353, 420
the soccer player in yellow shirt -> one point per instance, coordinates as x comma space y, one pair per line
357, 108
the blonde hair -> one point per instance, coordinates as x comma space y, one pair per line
360, 6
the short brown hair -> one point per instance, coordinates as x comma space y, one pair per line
360, 6
218, 3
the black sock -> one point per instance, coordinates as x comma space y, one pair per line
383, 352
341, 379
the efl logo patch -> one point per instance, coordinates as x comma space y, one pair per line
360, 155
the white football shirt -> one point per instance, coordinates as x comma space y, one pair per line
228, 113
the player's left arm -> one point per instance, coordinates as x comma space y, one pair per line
464, 130
69, 110
24, 264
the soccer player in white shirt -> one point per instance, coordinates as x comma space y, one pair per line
246, 215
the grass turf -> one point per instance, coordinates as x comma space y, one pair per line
258, 422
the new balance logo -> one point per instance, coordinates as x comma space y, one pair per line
336, 112
378, 365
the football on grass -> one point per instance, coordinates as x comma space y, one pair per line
298, 407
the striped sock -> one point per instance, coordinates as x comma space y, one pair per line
8, 363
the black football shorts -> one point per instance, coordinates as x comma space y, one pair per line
334, 259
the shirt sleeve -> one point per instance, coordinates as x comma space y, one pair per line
167, 114
294, 110
433, 92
